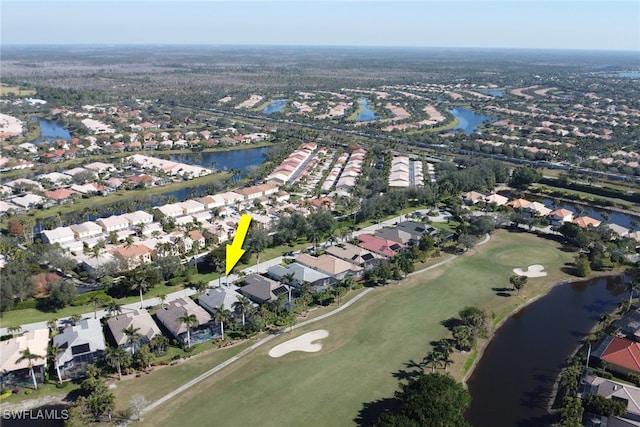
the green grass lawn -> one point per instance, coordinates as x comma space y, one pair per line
367, 343
31, 315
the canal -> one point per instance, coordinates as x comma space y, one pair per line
513, 382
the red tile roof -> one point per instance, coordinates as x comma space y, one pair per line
59, 194
623, 352
379, 245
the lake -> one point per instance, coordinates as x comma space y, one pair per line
51, 130
513, 381
493, 92
243, 160
367, 114
469, 120
276, 106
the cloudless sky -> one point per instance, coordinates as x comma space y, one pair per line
573, 24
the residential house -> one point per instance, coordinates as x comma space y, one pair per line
318, 280
330, 265
136, 319
60, 195
86, 229
537, 209
27, 201
58, 235
384, 247
169, 317
354, 254
261, 289
617, 391
82, 344
473, 197
629, 326
622, 355
496, 199
171, 210
216, 297
138, 218
92, 265
559, 217
395, 235
619, 230
586, 221
133, 255
191, 206
256, 191
519, 204
113, 223
14, 369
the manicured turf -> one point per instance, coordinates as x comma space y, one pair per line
367, 344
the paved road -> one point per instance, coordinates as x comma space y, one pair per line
224, 281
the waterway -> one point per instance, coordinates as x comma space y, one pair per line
50, 130
275, 107
513, 382
367, 114
469, 120
493, 92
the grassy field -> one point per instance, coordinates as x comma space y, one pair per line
367, 344
6, 89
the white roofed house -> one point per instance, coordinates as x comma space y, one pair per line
81, 345
138, 218
15, 368
191, 206
58, 235
28, 201
86, 229
171, 210
113, 223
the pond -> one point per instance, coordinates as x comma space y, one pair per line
469, 120
50, 130
493, 92
367, 114
275, 107
513, 381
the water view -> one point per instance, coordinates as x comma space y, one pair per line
512, 384
367, 114
51, 130
276, 106
243, 160
493, 92
469, 120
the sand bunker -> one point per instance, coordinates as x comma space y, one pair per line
535, 270
302, 343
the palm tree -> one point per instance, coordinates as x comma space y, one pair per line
14, 330
75, 319
242, 306
189, 320
431, 359
30, 357
220, 315
632, 286
133, 336
162, 298
115, 357
142, 285
114, 307
53, 326
445, 361
53, 352
95, 300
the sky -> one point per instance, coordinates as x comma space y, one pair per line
546, 24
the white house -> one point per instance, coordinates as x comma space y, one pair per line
113, 223
191, 206
81, 345
138, 217
86, 229
58, 235
171, 210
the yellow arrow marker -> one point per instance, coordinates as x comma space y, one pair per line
234, 250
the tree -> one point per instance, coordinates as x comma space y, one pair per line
220, 315
133, 337
523, 176
116, 357
256, 242
141, 285
476, 319
144, 357
95, 300
243, 307
432, 359
601, 405
169, 266
571, 412
159, 343
583, 268
61, 293
113, 307
189, 320
53, 353
75, 318
30, 357
464, 337
633, 286
518, 282
429, 400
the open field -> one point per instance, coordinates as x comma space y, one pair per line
366, 344
6, 89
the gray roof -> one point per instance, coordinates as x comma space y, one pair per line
262, 289
140, 319
416, 229
84, 338
629, 324
300, 273
218, 296
352, 253
395, 235
169, 315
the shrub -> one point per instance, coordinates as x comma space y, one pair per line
4, 390
28, 391
62, 385
16, 390
30, 303
84, 298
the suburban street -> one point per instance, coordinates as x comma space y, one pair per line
225, 281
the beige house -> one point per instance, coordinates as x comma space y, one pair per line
14, 369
